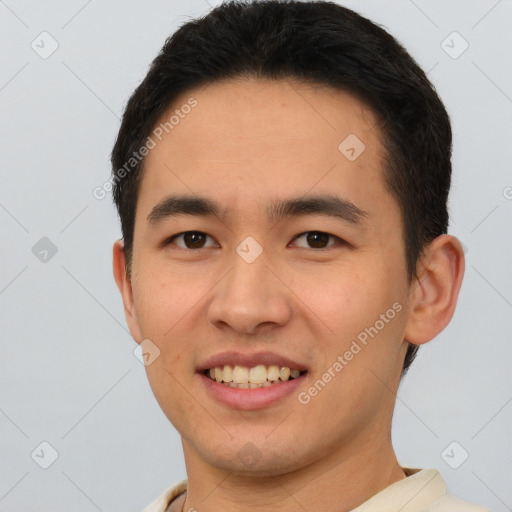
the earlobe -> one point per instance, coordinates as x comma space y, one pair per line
125, 287
434, 293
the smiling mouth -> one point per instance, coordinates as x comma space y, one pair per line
259, 376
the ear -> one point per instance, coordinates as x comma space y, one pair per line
435, 291
125, 287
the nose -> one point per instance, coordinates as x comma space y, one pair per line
251, 297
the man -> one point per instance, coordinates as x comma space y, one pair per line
281, 176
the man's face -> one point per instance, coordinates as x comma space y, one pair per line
327, 295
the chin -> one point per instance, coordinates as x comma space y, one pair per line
259, 457
252, 463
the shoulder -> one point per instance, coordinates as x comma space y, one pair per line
449, 503
162, 502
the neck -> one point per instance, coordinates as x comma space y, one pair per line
337, 483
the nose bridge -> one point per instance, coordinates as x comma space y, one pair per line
248, 277
249, 294
247, 284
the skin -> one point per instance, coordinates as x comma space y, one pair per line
246, 142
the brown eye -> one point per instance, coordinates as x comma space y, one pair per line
317, 239
190, 240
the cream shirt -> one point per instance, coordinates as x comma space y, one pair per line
423, 490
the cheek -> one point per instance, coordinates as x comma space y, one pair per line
362, 315
162, 300
347, 298
357, 362
170, 395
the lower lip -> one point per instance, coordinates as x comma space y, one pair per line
250, 399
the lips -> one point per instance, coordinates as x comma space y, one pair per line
251, 381
251, 371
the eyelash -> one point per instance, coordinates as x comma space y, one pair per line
169, 240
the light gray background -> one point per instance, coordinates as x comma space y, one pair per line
68, 375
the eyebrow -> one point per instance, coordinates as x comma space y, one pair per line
325, 204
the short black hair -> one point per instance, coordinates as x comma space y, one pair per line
321, 43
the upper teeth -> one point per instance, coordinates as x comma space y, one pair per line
255, 375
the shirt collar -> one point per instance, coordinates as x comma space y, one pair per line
411, 494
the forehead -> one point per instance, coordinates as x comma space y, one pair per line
236, 116
247, 138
